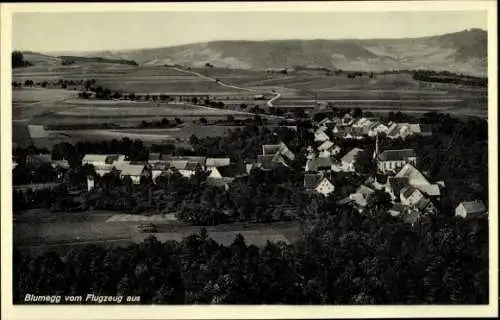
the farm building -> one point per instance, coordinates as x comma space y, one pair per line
471, 209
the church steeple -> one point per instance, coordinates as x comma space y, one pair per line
375, 153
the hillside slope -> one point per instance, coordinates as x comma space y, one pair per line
462, 52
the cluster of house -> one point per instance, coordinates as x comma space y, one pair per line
221, 171
411, 193
351, 128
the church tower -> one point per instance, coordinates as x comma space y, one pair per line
375, 153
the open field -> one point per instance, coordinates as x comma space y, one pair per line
140, 109
381, 94
38, 95
39, 230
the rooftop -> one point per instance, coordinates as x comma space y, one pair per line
312, 180
397, 155
217, 162
319, 163
349, 157
476, 206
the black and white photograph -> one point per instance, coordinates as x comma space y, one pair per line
249, 157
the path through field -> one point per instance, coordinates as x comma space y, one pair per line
269, 103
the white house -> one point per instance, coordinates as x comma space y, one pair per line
393, 160
409, 196
471, 209
348, 160
320, 135
134, 171
317, 182
328, 149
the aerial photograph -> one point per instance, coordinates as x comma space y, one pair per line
250, 158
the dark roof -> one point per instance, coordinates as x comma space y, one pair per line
474, 206
311, 181
396, 155
320, 163
396, 184
232, 171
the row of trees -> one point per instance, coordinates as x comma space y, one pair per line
344, 258
448, 77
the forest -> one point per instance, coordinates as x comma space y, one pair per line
342, 258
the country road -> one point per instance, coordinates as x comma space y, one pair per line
269, 102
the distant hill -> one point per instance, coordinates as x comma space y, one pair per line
40, 59
462, 52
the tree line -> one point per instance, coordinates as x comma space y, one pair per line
342, 258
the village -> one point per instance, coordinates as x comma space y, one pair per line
412, 194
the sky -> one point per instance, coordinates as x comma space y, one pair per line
47, 32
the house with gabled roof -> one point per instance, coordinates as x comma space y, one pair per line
328, 149
232, 171
360, 197
347, 161
134, 171
409, 196
319, 164
471, 209
393, 160
419, 181
320, 135
319, 183
281, 148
